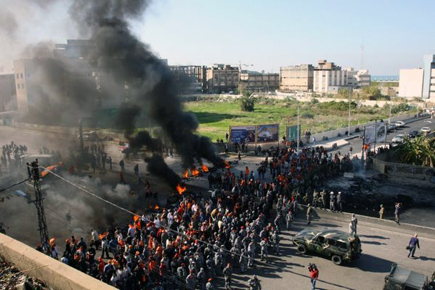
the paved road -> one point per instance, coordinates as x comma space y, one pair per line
288, 269
380, 249
357, 142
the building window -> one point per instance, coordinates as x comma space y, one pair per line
22, 76
22, 86
18, 76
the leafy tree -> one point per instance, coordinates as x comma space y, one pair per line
247, 102
420, 151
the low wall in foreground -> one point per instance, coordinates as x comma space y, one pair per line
54, 273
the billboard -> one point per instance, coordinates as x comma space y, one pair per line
240, 134
375, 133
268, 133
292, 132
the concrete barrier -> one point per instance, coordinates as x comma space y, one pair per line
384, 224
55, 274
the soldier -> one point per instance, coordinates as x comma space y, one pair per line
277, 221
340, 201
191, 280
276, 239
254, 283
201, 279
228, 271
243, 261
263, 248
309, 210
251, 253
289, 219
381, 212
218, 262
315, 198
332, 201
322, 199
210, 267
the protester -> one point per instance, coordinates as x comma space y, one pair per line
314, 275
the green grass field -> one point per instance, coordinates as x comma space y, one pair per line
215, 117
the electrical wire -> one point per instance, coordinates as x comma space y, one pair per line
18, 183
134, 214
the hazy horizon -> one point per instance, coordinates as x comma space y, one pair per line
395, 34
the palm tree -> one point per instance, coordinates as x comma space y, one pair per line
420, 151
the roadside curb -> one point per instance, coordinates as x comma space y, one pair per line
384, 224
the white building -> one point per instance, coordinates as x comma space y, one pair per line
297, 78
429, 76
358, 79
328, 75
411, 83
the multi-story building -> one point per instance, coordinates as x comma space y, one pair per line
429, 76
7, 92
358, 79
329, 78
259, 82
297, 78
222, 78
411, 83
189, 78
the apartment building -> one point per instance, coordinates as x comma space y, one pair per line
222, 78
296, 78
259, 82
329, 78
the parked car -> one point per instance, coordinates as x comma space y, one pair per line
391, 127
413, 134
399, 124
399, 138
425, 130
336, 245
402, 279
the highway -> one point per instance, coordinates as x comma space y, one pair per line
357, 143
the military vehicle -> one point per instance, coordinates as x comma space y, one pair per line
403, 279
336, 245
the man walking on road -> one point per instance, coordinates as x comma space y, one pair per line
413, 244
354, 222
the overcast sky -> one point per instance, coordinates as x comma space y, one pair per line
267, 34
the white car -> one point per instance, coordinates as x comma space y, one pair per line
425, 130
398, 138
399, 124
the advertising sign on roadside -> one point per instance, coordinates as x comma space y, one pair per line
292, 132
240, 134
267, 133
375, 133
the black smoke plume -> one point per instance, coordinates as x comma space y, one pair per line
115, 50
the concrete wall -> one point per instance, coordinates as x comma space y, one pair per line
418, 175
54, 273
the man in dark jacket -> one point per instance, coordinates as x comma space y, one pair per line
413, 244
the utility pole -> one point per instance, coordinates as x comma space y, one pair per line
299, 133
39, 203
389, 117
348, 127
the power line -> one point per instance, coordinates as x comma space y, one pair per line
18, 183
134, 214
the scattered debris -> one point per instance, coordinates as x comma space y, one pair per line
12, 278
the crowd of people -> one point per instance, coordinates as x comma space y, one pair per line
197, 238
